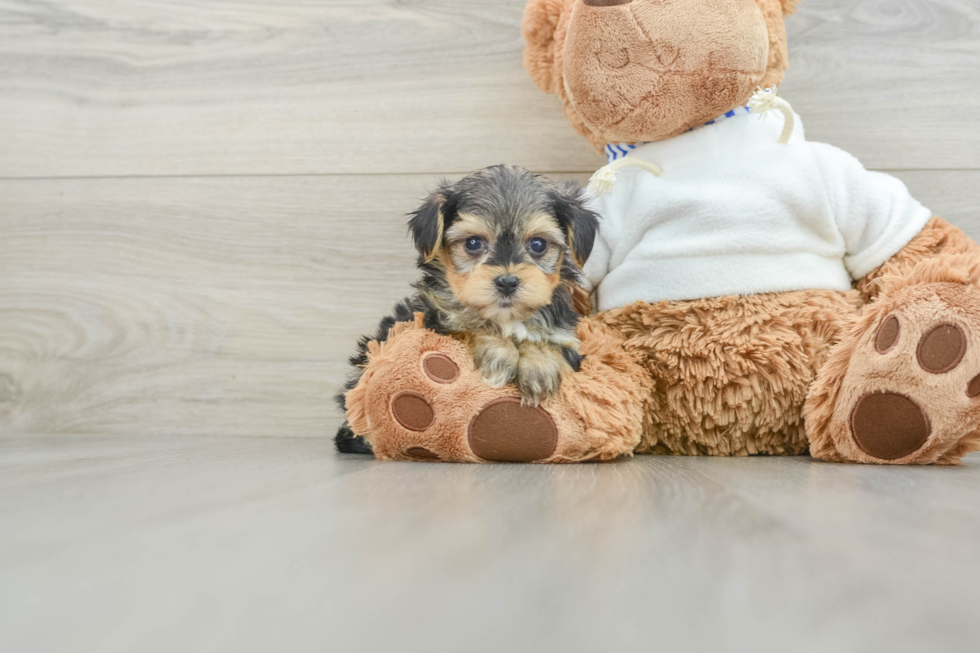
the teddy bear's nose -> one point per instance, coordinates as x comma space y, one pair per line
606, 3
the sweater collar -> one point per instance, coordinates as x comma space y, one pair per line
616, 151
695, 145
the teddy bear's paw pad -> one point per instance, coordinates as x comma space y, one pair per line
507, 431
440, 368
412, 411
973, 388
888, 335
889, 426
941, 349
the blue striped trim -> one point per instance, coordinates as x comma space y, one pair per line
616, 151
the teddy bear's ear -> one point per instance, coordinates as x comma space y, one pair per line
789, 6
540, 22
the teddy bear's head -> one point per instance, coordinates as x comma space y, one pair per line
647, 70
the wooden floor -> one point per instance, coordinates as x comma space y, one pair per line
202, 206
191, 543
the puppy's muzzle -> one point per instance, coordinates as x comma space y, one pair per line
507, 284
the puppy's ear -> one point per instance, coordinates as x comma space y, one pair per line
579, 223
427, 223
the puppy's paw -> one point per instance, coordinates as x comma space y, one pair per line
497, 359
539, 371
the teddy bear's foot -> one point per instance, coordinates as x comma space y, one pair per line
503, 430
904, 387
421, 398
443, 411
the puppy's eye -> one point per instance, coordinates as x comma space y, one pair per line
474, 244
538, 246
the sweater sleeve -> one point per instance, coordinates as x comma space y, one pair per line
874, 212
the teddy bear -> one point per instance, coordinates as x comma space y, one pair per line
756, 293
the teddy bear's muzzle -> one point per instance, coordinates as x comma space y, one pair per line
634, 72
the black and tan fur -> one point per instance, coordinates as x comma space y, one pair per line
510, 302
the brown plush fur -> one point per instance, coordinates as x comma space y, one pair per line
597, 414
731, 373
646, 70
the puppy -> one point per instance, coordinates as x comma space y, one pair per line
500, 253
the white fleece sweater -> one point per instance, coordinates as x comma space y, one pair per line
737, 213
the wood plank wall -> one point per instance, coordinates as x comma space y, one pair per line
202, 203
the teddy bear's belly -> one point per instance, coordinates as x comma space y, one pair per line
731, 374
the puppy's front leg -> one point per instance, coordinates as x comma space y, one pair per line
496, 357
540, 370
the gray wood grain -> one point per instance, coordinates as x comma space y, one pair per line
220, 306
193, 305
224, 544
895, 83
172, 87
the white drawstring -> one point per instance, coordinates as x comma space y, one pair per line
764, 101
604, 179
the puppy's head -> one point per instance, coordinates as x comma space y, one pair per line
505, 239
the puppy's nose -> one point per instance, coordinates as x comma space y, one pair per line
507, 284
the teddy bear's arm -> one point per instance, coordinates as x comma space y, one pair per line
937, 239
875, 214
